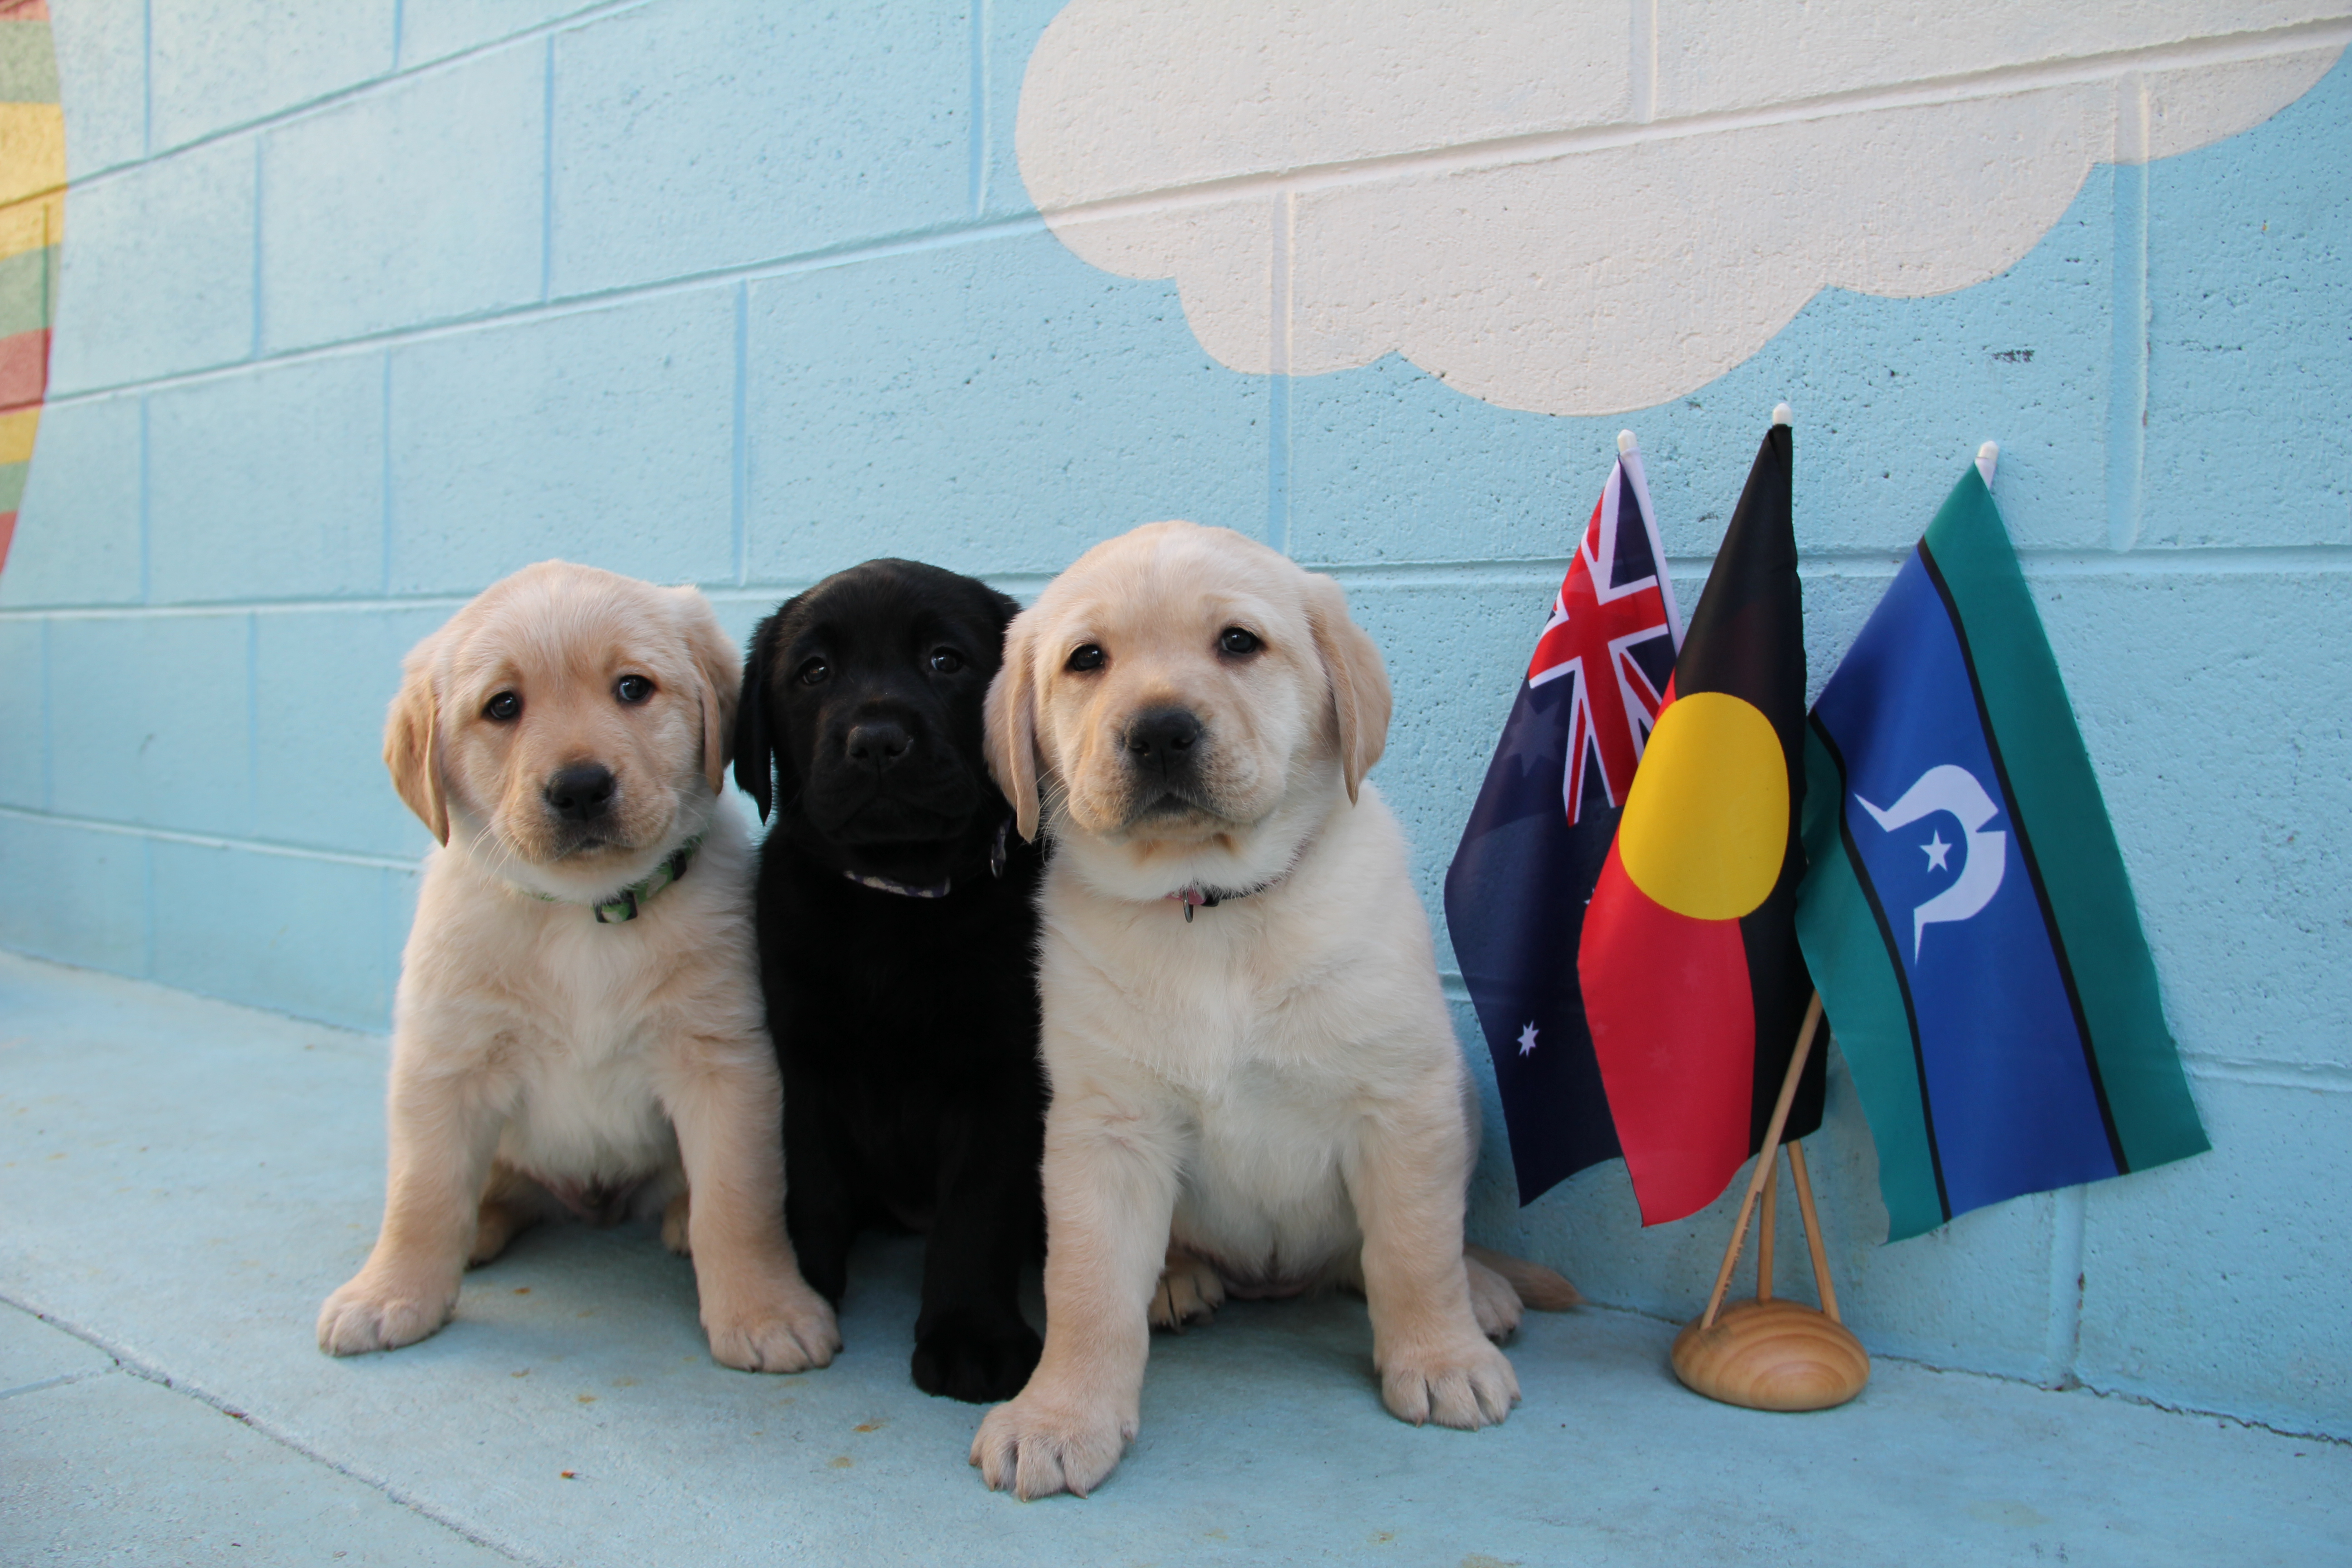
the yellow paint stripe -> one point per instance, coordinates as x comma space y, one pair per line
32, 225
32, 149
16, 435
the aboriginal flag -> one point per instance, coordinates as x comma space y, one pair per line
1967, 909
1694, 987
1515, 895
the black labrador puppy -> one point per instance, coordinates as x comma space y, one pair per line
897, 944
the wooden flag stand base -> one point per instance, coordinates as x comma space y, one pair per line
1772, 1354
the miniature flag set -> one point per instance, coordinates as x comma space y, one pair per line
1669, 857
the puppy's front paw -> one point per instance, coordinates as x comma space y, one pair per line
1468, 1384
1189, 1291
1492, 1301
785, 1328
974, 1362
376, 1313
1036, 1449
678, 1220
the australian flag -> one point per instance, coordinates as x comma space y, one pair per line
1537, 837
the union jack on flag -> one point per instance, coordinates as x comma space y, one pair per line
1613, 599
1539, 833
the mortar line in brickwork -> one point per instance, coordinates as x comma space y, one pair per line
2128, 307
253, 347
213, 840
340, 96
146, 519
146, 86
547, 171
48, 727
913, 243
980, 128
2318, 1078
252, 718
1861, 565
1541, 146
383, 438
740, 472
1643, 63
2061, 1341
1279, 281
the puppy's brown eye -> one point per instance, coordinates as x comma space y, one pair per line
503, 707
1086, 657
813, 672
1239, 643
632, 689
946, 660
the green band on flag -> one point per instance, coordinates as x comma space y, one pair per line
2057, 794
1845, 948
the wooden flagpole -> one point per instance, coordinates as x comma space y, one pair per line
1774, 1353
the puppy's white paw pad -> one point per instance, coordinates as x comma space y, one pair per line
1035, 1450
1468, 1387
361, 1317
790, 1335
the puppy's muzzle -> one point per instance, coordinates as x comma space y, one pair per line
878, 745
582, 793
1164, 744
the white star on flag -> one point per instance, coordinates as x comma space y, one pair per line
1527, 1039
1936, 849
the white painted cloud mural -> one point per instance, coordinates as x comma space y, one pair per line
1583, 208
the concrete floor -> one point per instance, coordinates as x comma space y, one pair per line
185, 1180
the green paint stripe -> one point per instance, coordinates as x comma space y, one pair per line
12, 484
2057, 797
28, 63
28, 287
1850, 965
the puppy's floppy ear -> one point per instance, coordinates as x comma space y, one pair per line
721, 678
1011, 723
412, 740
754, 750
1360, 682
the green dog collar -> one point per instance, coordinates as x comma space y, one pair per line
625, 904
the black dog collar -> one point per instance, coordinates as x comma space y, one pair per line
942, 887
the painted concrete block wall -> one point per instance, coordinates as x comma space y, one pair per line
363, 306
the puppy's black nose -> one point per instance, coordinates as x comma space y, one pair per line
581, 792
1163, 739
878, 743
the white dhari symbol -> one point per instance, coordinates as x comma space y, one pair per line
1947, 787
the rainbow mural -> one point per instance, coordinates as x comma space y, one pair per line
32, 222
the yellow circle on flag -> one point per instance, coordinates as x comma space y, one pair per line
1707, 822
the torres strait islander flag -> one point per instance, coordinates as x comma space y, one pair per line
1515, 895
1694, 988
1966, 914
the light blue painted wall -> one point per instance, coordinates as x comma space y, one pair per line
364, 306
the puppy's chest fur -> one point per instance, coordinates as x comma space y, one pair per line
574, 1022
901, 1013
1268, 1029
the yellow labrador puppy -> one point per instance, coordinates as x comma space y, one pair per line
1256, 1085
578, 1026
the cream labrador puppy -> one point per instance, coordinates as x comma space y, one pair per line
578, 1026
1256, 1084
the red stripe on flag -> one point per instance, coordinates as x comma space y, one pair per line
1674, 1025
24, 368
7, 533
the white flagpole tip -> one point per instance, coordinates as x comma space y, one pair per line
1987, 459
1781, 414
1625, 442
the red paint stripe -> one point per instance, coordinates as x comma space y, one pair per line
1673, 1024
24, 10
24, 369
7, 533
